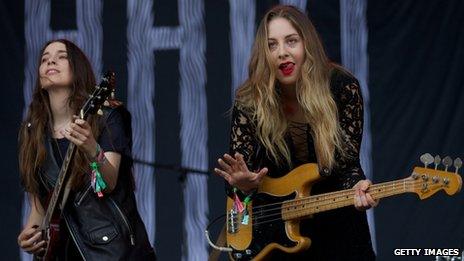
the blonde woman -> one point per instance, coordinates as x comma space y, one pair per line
296, 107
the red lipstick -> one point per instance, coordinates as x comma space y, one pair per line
287, 68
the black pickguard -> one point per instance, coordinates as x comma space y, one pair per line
268, 226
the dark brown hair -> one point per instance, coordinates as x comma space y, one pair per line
39, 121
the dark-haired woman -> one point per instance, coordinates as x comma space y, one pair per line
97, 223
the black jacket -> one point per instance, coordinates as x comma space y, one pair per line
107, 228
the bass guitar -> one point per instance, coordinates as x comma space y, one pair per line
51, 222
280, 204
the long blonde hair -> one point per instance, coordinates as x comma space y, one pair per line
259, 92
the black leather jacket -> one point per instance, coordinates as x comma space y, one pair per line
107, 228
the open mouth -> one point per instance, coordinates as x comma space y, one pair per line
287, 68
51, 71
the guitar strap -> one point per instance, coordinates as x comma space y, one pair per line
68, 186
66, 191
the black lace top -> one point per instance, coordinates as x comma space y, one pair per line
346, 174
340, 234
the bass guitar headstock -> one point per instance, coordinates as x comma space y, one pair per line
427, 181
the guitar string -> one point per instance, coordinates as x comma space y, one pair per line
349, 197
331, 195
260, 217
255, 220
70, 147
319, 206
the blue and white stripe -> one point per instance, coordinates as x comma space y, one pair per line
354, 36
194, 127
190, 38
140, 96
301, 4
242, 35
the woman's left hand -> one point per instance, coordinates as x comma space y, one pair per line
363, 200
80, 133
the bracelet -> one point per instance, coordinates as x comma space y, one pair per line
241, 207
96, 179
99, 155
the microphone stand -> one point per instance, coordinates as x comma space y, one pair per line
182, 170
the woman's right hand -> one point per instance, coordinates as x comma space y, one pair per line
235, 171
30, 240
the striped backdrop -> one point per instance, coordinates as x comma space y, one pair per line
189, 39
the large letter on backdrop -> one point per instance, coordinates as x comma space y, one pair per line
190, 38
89, 37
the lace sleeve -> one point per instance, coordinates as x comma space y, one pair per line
242, 138
350, 109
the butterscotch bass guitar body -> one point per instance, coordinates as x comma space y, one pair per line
261, 228
271, 221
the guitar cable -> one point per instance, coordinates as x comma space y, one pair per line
219, 248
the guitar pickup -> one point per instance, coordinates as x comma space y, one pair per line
232, 221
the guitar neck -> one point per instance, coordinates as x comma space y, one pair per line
303, 207
91, 106
60, 182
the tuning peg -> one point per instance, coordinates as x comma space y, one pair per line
426, 159
447, 161
457, 164
437, 161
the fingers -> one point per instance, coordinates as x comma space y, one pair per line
79, 132
231, 161
371, 201
25, 235
366, 198
241, 163
226, 167
261, 174
36, 248
28, 239
363, 200
224, 175
84, 124
78, 129
235, 171
229, 166
357, 199
366, 184
363, 185
70, 136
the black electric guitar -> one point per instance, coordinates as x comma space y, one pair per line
271, 222
51, 222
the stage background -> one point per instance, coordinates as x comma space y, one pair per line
178, 80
